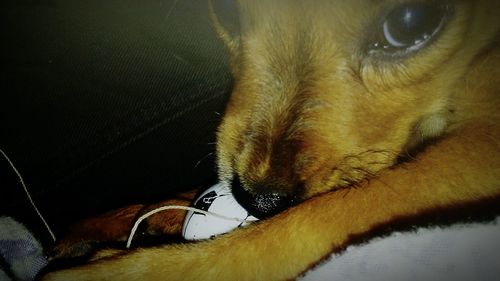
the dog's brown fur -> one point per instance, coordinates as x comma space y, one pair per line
310, 107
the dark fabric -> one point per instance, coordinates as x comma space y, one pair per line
105, 103
21, 254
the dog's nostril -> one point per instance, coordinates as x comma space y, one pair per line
261, 202
269, 204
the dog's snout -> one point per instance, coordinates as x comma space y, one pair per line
262, 200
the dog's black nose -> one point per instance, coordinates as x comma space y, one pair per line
261, 201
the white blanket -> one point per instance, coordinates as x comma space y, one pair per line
458, 253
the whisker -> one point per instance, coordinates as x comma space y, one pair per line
387, 185
169, 12
362, 170
379, 163
409, 155
203, 158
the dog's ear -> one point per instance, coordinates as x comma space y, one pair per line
225, 19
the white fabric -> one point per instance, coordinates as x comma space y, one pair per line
458, 253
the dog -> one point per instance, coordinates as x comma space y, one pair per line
346, 118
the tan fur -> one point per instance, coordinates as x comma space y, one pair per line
309, 107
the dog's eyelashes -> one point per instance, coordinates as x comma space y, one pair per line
409, 27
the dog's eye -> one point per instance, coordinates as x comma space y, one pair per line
409, 27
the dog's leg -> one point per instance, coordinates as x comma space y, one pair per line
168, 222
462, 169
114, 226
83, 237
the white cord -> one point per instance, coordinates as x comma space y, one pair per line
28, 194
161, 209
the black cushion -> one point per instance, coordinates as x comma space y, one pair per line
106, 103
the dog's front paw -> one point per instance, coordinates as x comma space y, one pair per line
88, 235
164, 223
